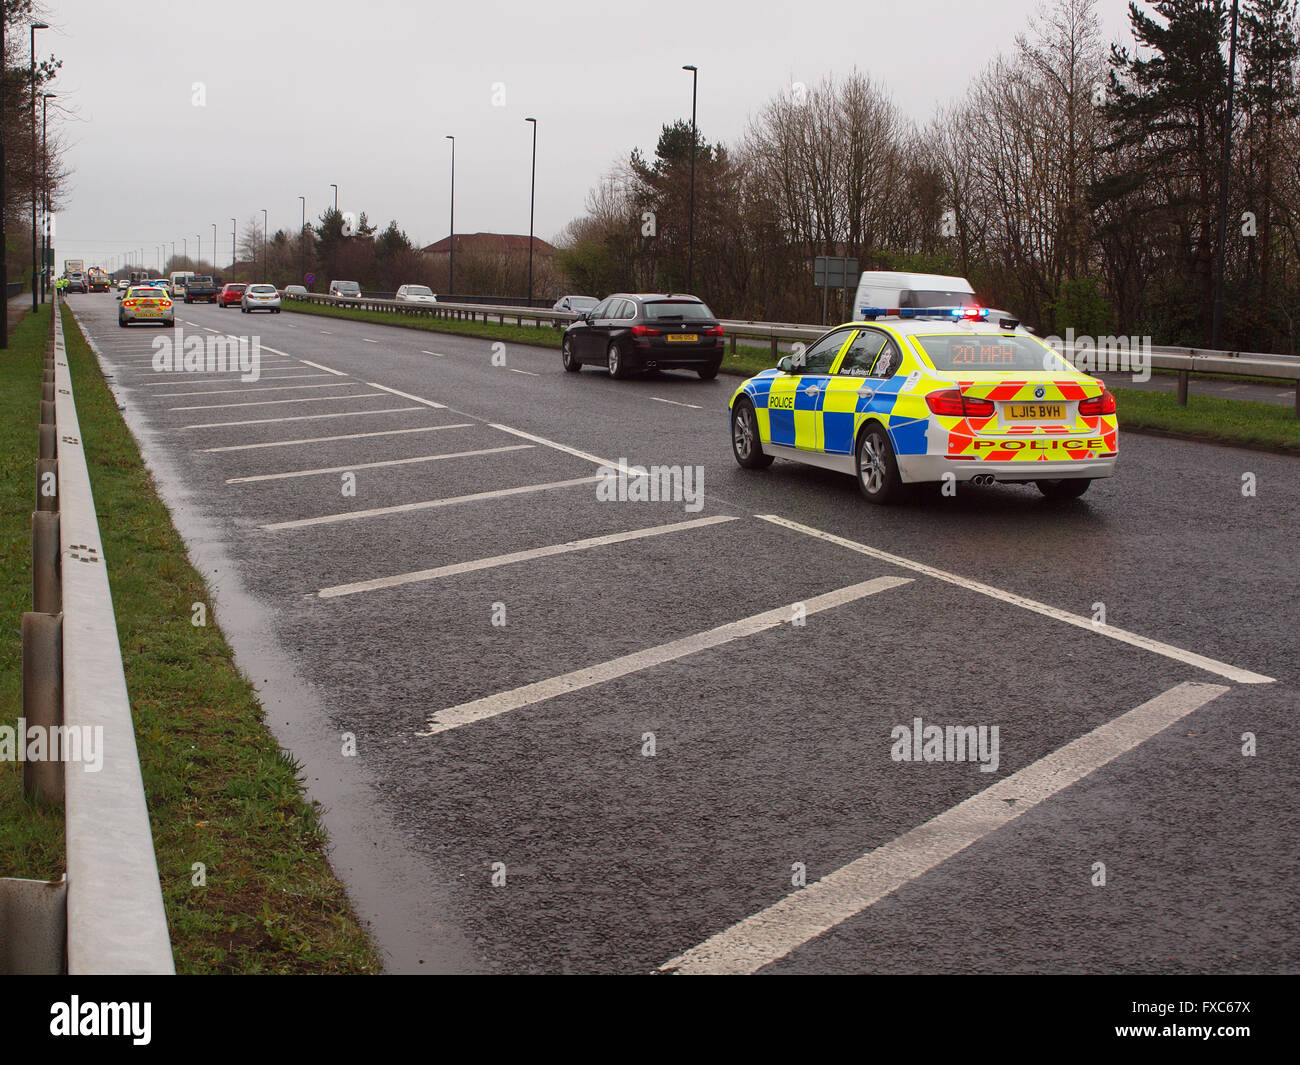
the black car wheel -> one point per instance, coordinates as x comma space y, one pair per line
708, 373
746, 444
877, 468
567, 357
617, 364
1068, 489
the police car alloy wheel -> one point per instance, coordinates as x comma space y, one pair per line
1064, 489
877, 469
746, 444
566, 355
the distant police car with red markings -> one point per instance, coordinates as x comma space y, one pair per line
930, 395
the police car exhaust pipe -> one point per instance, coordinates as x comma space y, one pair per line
983, 480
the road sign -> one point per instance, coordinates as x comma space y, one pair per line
834, 272
310, 279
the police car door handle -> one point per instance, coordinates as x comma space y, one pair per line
811, 390
866, 391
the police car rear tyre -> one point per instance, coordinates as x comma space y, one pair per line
617, 364
877, 468
566, 356
1071, 489
746, 444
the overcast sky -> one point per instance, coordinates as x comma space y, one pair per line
362, 93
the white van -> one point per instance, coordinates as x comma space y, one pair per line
178, 281
892, 290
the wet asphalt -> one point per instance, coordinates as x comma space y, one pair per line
769, 750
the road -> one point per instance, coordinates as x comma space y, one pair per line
626, 754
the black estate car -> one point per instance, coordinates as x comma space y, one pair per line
627, 333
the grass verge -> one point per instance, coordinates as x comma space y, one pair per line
220, 790
1237, 422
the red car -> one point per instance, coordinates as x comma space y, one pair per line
230, 294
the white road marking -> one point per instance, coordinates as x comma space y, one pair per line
404, 508
327, 332
800, 917
302, 418
552, 444
246, 391
515, 556
369, 341
225, 378
374, 465
318, 366
435, 354
327, 439
281, 402
1210, 665
540, 691
674, 402
528, 372
407, 395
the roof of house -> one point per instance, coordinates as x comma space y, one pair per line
493, 242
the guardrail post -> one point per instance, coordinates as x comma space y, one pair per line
42, 643
47, 484
1297, 398
1183, 375
47, 590
33, 927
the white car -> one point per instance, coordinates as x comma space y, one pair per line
416, 294
260, 298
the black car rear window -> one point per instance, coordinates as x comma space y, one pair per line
691, 309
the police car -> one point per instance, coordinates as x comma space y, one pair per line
939, 394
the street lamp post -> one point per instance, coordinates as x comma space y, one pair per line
4, 262
214, 248
1216, 318
532, 201
185, 252
198, 255
46, 97
336, 197
233, 256
451, 239
302, 237
265, 272
690, 240
36, 294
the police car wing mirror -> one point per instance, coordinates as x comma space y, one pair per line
785, 364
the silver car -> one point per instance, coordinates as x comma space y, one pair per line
260, 298
416, 294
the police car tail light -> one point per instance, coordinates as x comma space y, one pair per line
644, 331
1102, 404
951, 403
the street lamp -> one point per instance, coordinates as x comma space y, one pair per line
233, 256
265, 272
1216, 317
4, 263
185, 252
214, 247
302, 237
198, 255
46, 97
336, 197
690, 240
532, 200
36, 294
451, 239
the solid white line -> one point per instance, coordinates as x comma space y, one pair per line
528, 372
275, 402
407, 395
515, 556
674, 402
1210, 665
404, 508
773, 933
433, 353
222, 379
540, 691
327, 439
318, 366
246, 391
374, 465
369, 341
552, 444
302, 418
327, 332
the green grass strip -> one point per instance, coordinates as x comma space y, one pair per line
1239, 422
220, 790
